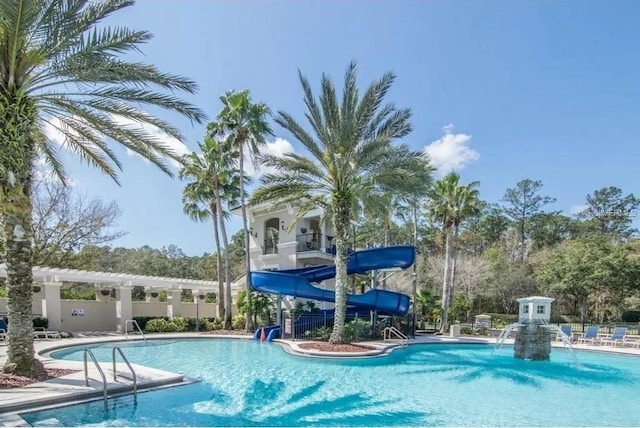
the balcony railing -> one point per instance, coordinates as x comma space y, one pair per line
270, 246
314, 241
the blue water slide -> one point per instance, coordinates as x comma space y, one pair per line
271, 332
297, 282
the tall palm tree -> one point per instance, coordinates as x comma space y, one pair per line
214, 185
59, 70
246, 124
350, 156
192, 199
449, 204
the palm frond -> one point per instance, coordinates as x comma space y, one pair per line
50, 154
60, 55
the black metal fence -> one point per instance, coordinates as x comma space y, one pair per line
314, 241
358, 327
632, 328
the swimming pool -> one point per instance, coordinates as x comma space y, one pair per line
246, 383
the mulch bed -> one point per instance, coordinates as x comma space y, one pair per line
11, 381
328, 347
228, 332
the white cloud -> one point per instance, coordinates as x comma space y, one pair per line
577, 209
451, 152
277, 147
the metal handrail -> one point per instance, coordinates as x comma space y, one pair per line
88, 352
133, 373
134, 323
394, 331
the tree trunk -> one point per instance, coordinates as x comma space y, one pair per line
341, 219
215, 211
522, 237
227, 266
249, 319
444, 318
386, 244
17, 154
454, 262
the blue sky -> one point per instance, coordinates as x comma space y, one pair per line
507, 90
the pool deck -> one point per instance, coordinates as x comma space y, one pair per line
71, 388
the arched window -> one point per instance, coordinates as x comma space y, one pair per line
271, 236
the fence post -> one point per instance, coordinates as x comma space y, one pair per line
355, 328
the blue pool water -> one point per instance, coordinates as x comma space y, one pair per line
252, 384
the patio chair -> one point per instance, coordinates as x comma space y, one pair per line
618, 336
567, 330
591, 335
42, 333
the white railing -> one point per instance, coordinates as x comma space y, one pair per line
87, 352
133, 372
388, 332
135, 324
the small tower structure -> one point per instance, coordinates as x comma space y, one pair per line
533, 341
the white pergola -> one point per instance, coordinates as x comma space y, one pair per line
43, 274
51, 279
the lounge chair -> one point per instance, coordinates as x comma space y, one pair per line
591, 335
618, 336
42, 333
635, 343
566, 330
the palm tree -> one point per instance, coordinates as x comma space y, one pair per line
426, 302
246, 124
193, 198
350, 156
450, 204
60, 71
214, 182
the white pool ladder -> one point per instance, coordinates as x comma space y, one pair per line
88, 353
388, 332
135, 324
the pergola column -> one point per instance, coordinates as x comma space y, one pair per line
174, 307
124, 308
51, 304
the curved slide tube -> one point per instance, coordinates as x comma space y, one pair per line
271, 332
298, 282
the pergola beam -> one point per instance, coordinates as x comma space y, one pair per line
49, 274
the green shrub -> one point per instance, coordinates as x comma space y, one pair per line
466, 330
238, 322
142, 321
181, 323
323, 333
357, 330
216, 324
160, 325
631, 316
40, 322
483, 331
